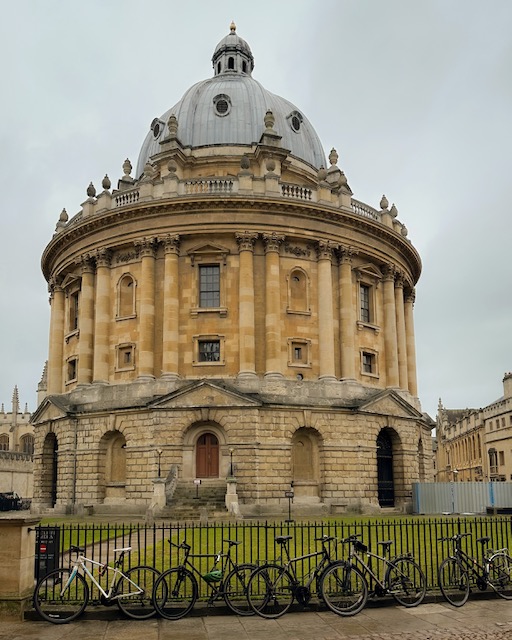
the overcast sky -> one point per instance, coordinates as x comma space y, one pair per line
416, 96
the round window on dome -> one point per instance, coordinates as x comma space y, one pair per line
156, 127
295, 120
222, 105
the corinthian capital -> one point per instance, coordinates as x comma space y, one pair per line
346, 254
146, 247
103, 257
171, 243
389, 271
272, 241
325, 249
246, 240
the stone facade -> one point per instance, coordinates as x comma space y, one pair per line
476, 444
231, 296
16, 449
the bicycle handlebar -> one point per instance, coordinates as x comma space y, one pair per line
455, 537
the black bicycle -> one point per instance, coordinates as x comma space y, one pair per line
459, 572
399, 576
177, 589
273, 587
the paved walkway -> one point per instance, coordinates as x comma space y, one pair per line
477, 619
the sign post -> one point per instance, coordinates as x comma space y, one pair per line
197, 482
289, 495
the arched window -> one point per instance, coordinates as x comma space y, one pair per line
231, 63
4, 442
27, 444
126, 297
219, 67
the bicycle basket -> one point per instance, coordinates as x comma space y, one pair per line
359, 546
213, 576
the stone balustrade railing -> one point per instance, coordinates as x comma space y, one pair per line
211, 186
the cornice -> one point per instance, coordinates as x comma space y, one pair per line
150, 209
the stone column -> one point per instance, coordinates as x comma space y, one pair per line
327, 371
170, 338
411, 342
146, 248
86, 322
347, 319
390, 341
17, 561
400, 332
273, 345
56, 350
102, 320
247, 346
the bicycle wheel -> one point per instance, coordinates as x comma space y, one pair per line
175, 593
56, 606
344, 589
270, 591
500, 575
235, 589
406, 582
453, 581
137, 605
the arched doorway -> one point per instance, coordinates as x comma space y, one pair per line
386, 488
207, 456
50, 470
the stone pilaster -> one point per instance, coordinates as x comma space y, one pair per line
146, 248
390, 339
86, 322
273, 367
400, 332
411, 344
55, 364
247, 346
170, 338
327, 370
102, 318
347, 319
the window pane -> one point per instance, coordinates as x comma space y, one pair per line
209, 286
209, 351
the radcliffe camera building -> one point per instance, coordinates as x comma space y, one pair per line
230, 309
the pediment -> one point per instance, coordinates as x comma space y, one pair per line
390, 403
204, 394
49, 409
208, 250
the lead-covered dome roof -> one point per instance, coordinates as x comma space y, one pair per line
230, 109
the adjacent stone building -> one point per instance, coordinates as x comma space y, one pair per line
231, 309
16, 448
476, 444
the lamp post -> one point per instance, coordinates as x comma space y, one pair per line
231, 470
159, 454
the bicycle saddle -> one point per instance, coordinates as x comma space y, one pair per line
232, 542
483, 540
283, 539
77, 549
386, 543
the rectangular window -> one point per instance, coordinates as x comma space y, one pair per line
368, 362
364, 293
74, 299
502, 458
125, 357
72, 369
209, 286
209, 350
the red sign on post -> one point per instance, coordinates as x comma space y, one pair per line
42, 548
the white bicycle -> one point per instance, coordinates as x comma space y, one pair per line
63, 594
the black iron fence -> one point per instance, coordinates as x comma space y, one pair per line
150, 544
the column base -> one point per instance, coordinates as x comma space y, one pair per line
145, 378
273, 375
171, 377
328, 379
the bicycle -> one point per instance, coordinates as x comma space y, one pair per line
273, 587
177, 589
457, 571
63, 594
403, 578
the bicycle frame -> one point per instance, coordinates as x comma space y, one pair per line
472, 565
382, 561
227, 564
291, 563
80, 564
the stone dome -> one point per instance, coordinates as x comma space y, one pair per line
229, 109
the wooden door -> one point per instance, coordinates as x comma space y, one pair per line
207, 456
